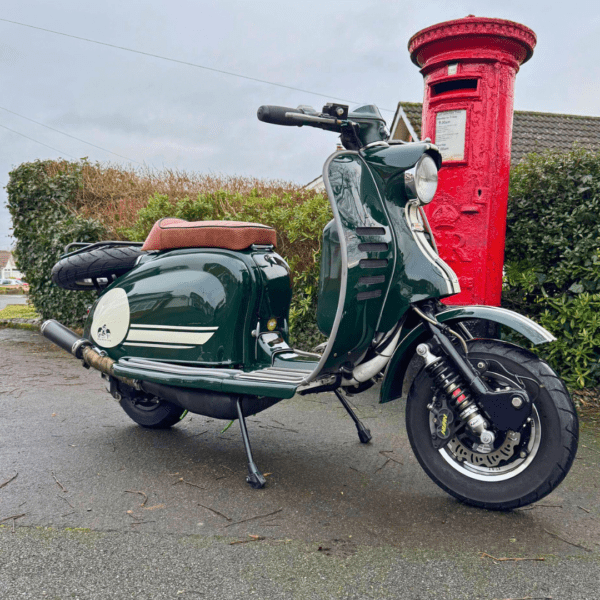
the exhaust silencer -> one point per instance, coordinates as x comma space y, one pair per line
64, 338
82, 349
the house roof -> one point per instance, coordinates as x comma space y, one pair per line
532, 131
413, 111
4, 256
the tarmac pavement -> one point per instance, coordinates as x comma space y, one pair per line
113, 510
6, 299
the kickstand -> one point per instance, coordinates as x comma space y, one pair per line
364, 435
255, 477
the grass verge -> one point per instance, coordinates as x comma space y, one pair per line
18, 311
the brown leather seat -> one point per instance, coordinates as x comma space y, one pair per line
173, 233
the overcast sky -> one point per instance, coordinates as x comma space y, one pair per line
166, 114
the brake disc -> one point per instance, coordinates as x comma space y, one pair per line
492, 459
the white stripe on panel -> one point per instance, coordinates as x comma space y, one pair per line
174, 327
157, 345
169, 337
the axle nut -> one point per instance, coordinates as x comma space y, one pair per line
517, 402
487, 437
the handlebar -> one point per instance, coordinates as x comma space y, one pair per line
276, 115
281, 115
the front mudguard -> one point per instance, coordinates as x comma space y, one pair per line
393, 381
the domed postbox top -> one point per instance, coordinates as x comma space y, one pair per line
472, 36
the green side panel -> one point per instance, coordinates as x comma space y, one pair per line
190, 305
391, 387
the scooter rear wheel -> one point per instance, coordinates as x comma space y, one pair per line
94, 269
523, 466
152, 412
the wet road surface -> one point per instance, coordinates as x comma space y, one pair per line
6, 299
112, 510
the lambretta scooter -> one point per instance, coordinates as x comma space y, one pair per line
197, 320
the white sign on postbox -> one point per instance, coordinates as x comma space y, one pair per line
450, 127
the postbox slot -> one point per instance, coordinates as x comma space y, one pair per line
454, 85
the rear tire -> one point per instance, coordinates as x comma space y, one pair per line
528, 470
152, 412
104, 265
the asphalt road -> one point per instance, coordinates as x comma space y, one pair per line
6, 299
112, 510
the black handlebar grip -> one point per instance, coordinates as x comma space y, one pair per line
276, 115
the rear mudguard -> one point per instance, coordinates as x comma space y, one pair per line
393, 381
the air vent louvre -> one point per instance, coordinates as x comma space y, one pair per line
373, 247
371, 279
370, 231
368, 295
373, 263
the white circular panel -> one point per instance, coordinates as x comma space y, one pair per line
111, 319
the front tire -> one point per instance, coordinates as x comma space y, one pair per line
523, 466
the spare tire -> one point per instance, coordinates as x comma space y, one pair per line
95, 269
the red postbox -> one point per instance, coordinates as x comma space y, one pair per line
469, 67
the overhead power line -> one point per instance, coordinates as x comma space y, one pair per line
187, 63
67, 134
38, 142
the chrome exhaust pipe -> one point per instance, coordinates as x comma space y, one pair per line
82, 349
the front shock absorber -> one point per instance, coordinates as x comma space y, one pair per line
449, 382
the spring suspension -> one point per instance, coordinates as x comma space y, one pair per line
449, 382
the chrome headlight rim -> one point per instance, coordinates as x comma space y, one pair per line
426, 179
421, 181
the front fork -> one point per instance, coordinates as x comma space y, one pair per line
457, 381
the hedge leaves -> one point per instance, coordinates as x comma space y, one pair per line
553, 257
44, 222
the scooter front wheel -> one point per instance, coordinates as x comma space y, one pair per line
522, 466
152, 412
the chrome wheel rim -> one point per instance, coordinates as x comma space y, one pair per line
511, 462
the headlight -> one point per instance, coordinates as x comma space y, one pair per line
422, 184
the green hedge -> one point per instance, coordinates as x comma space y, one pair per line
41, 201
45, 200
553, 257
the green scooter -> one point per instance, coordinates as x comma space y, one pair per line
196, 319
